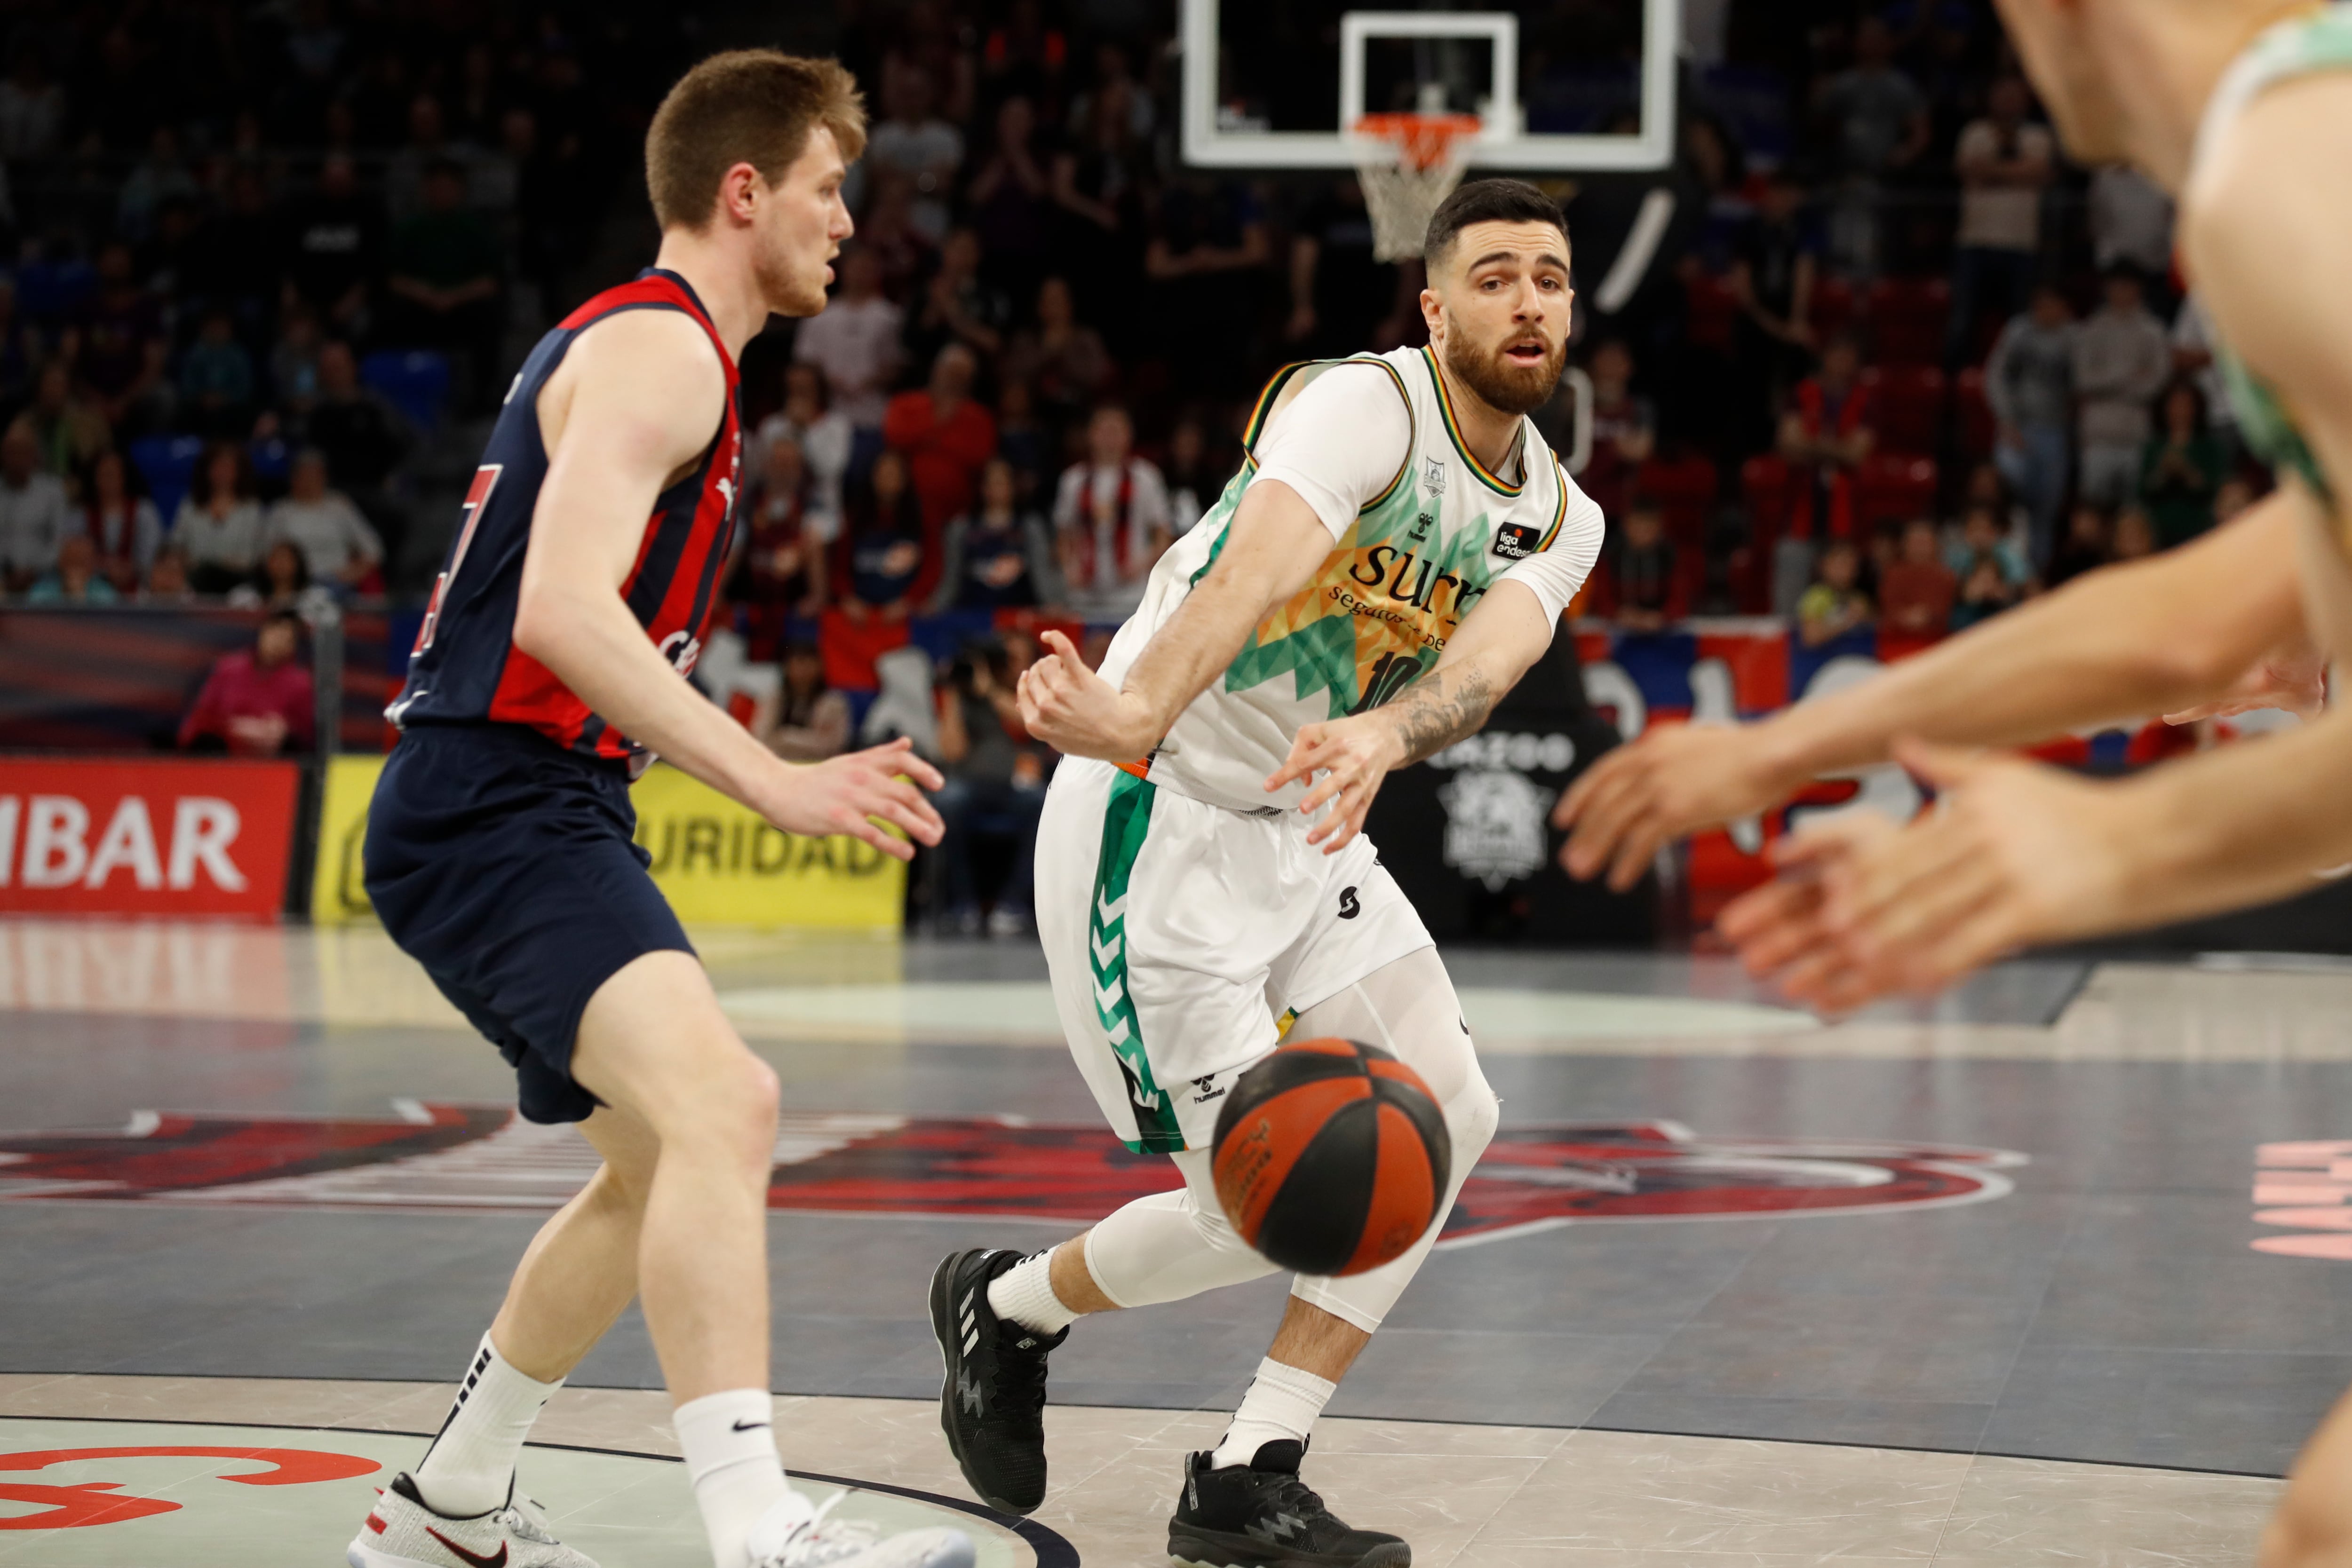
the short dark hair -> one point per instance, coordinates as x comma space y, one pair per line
1487, 202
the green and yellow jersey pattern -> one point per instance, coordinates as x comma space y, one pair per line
1414, 562
2316, 40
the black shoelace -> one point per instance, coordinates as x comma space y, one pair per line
1020, 1380
1295, 1496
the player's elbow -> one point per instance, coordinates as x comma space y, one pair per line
540, 621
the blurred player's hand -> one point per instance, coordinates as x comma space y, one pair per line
1354, 755
2014, 853
2293, 679
844, 794
1079, 713
1674, 779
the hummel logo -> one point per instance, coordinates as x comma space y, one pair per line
497, 1560
749, 1426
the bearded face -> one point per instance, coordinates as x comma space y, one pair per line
1505, 319
1514, 370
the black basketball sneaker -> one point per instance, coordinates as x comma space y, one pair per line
993, 1401
1262, 1515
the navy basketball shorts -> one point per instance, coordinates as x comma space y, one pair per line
505, 865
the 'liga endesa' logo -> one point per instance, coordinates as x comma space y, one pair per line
439, 1159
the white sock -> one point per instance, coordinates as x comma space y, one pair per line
1024, 1293
469, 1470
1282, 1402
730, 1454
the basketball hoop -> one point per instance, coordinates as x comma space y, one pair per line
1408, 163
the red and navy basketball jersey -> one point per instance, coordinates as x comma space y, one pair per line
466, 668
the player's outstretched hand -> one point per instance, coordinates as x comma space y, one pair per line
2014, 853
1353, 755
1079, 713
2294, 679
1674, 779
844, 794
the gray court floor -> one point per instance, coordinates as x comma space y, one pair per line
2100, 1299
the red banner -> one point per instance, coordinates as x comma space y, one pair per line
140, 837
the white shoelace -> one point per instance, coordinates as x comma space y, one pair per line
818, 1540
527, 1517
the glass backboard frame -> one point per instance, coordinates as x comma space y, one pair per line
1504, 147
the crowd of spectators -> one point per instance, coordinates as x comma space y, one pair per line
252, 256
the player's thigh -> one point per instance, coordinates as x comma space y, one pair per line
654, 1043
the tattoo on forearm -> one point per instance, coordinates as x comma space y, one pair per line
1440, 708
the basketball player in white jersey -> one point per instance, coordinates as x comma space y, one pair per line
1394, 554
2243, 109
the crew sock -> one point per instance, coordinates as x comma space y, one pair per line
1024, 1293
469, 1470
1282, 1402
731, 1455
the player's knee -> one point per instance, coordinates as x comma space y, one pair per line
1471, 1118
1209, 1223
727, 1108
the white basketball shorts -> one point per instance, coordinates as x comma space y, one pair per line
1179, 933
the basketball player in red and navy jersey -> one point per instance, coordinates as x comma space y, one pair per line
549, 667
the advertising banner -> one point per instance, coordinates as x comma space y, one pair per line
717, 862
165, 836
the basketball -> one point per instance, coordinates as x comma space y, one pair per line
1331, 1158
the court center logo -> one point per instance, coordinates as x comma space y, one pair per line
456, 1159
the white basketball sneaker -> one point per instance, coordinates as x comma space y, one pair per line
401, 1531
797, 1534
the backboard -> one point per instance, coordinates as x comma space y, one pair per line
1274, 84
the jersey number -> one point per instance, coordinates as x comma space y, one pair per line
478, 497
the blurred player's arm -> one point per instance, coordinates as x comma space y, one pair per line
1272, 550
2152, 636
633, 406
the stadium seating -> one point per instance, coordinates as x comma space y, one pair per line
1685, 490
1908, 403
1977, 429
1908, 318
1893, 488
414, 380
168, 464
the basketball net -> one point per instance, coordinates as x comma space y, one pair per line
1408, 165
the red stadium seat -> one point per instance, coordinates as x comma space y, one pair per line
1684, 491
1893, 488
1764, 485
1907, 317
1832, 310
1908, 406
1711, 311
1977, 428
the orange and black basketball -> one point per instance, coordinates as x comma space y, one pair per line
1331, 1157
